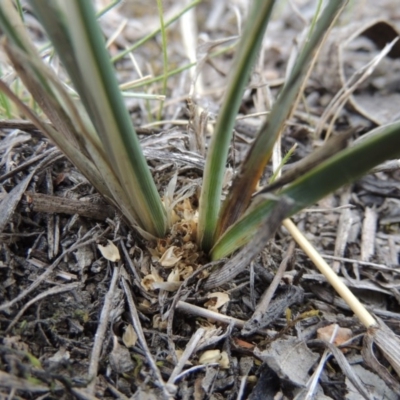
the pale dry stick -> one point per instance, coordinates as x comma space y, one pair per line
117, 394
50, 292
387, 166
181, 122
18, 124
171, 312
253, 115
129, 84
189, 349
194, 369
118, 31
189, 34
245, 367
329, 209
51, 268
202, 312
53, 151
343, 230
81, 394
316, 375
168, 390
344, 365
100, 332
340, 99
366, 263
359, 310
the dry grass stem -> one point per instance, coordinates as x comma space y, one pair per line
202, 312
365, 317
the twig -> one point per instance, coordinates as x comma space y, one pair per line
21, 124
100, 332
194, 369
202, 312
50, 269
365, 317
340, 99
171, 311
266, 298
352, 260
39, 202
312, 384
168, 390
49, 292
54, 152
344, 365
116, 392
190, 347
81, 394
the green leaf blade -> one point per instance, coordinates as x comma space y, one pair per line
260, 152
217, 153
341, 169
90, 68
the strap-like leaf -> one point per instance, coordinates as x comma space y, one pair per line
218, 151
260, 152
339, 170
89, 67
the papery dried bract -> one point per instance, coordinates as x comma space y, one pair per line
217, 300
129, 337
109, 251
215, 356
148, 280
170, 258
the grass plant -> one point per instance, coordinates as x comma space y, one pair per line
96, 133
